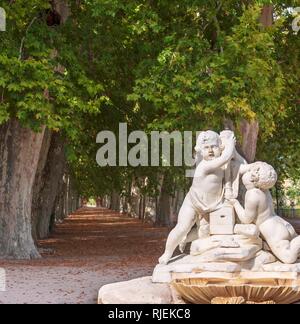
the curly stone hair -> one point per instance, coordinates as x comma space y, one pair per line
206, 137
264, 176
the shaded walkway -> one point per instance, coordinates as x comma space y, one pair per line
91, 248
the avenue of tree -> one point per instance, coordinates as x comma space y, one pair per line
70, 69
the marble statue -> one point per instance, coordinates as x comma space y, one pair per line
229, 232
280, 235
208, 192
241, 252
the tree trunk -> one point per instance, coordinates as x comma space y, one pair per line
150, 210
59, 206
267, 16
62, 7
250, 135
39, 183
164, 205
99, 202
134, 201
115, 201
52, 184
20, 150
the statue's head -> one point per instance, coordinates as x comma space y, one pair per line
209, 145
261, 175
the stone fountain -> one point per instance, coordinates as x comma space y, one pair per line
234, 248
241, 251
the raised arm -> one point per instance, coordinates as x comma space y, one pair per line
209, 166
239, 158
250, 213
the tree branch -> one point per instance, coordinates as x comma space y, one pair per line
214, 17
24, 38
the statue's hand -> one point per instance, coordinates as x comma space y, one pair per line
228, 137
228, 194
233, 202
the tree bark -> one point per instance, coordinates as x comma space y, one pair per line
63, 9
20, 150
51, 184
99, 202
134, 200
115, 201
249, 132
60, 205
164, 205
39, 183
266, 18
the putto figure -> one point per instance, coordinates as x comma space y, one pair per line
279, 234
208, 190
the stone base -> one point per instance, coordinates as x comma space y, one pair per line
207, 288
262, 262
138, 291
238, 288
163, 273
193, 264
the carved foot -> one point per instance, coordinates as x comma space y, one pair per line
165, 258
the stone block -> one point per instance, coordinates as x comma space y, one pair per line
222, 221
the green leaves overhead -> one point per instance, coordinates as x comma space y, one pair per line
35, 85
239, 79
162, 65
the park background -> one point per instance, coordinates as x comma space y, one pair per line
70, 69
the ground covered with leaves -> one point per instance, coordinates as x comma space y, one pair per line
91, 248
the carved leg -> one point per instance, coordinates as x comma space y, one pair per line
186, 220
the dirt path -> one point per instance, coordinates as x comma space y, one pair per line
91, 248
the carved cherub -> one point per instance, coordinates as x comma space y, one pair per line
207, 191
280, 235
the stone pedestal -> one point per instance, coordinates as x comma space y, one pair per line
238, 288
222, 221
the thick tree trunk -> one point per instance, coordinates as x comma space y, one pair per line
73, 197
134, 201
250, 135
115, 201
176, 204
20, 150
51, 186
70, 195
150, 210
59, 206
39, 183
62, 7
267, 18
164, 205
99, 202
249, 131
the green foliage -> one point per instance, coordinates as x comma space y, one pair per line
293, 193
35, 86
192, 82
163, 65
